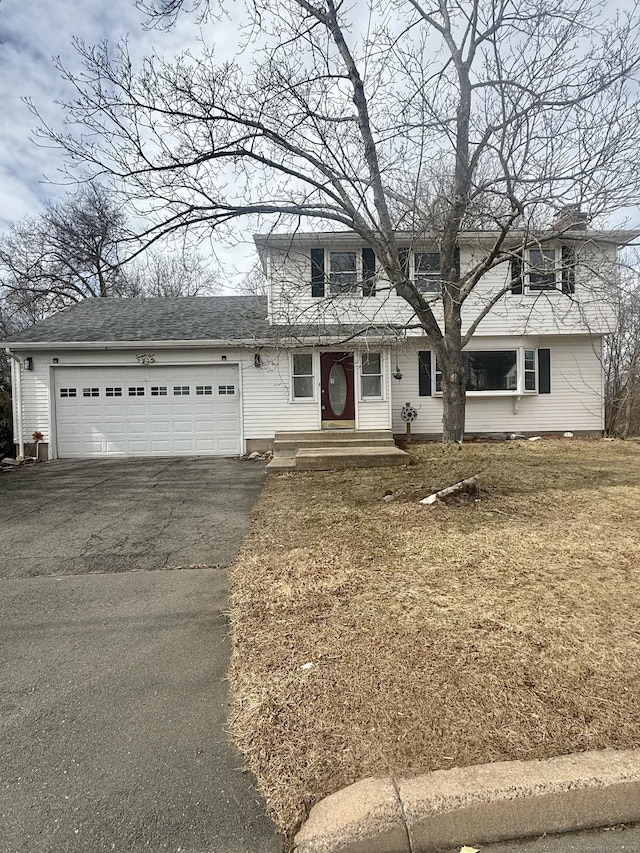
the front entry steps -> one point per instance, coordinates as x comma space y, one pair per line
325, 450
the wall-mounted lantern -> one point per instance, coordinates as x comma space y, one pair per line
257, 360
28, 363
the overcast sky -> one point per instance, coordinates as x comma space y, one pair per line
32, 32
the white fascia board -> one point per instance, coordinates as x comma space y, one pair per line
617, 237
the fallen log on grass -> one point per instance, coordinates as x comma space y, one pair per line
469, 487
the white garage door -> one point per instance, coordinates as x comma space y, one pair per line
147, 411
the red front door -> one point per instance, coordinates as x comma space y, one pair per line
338, 402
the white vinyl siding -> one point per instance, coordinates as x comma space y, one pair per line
547, 312
575, 402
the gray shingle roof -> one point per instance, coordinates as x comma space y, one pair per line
185, 318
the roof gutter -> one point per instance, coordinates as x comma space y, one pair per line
292, 340
108, 345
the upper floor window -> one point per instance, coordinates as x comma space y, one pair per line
338, 272
343, 272
544, 268
426, 271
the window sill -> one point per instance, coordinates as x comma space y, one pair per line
514, 393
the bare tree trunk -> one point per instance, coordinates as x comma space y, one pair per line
453, 379
453, 406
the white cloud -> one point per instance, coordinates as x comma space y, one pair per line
31, 35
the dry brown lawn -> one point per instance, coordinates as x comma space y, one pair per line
505, 627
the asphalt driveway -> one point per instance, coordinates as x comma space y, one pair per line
112, 661
111, 516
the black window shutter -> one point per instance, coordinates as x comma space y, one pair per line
516, 274
368, 272
424, 373
568, 269
403, 257
544, 371
317, 272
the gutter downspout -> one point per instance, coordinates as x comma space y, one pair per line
16, 394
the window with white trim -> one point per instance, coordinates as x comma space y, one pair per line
343, 272
112, 391
530, 370
90, 392
496, 371
226, 390
426, 271
68, 392
206, 390
136, 391
302, 373
543, 269
158, 390
371, 375
180, 390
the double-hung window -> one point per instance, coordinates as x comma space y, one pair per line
544, 269
371, 375
302, 372
343, 272
426, 271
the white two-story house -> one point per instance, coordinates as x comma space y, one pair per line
329, 347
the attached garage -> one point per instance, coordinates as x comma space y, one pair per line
147, 410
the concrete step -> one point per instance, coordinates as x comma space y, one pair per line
327, 459
287, 443
281, 463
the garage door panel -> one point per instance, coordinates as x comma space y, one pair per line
183, 445
134, 411
157, 427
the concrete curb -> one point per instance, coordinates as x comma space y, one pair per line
477, 805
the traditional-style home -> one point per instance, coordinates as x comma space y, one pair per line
330, 351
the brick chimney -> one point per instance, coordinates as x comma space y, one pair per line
571, 218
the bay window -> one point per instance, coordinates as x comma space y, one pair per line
508, 371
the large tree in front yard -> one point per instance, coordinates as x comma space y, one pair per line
424, 117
